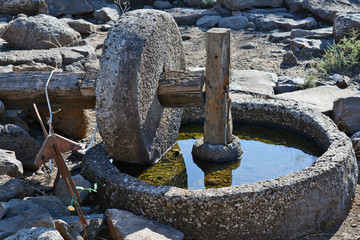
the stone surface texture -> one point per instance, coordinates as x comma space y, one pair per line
289, 59
307, 48
18, 57
72, 7
189, 16
18, 140
63, 194
207, 21
9, 164
36, 233
235, 22
294, 5
273, 209
66, 231
346, 114
329, 9
128, 226
253, 81
10, 188
245, 4
320, 98
131, 120
320, 33
272, 22
217, 153
80, 25
39, 32
34, 216
28, 7
345, 24
106, 14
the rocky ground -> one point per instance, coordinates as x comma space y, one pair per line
252, 48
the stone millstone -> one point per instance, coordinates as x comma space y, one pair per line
134, 126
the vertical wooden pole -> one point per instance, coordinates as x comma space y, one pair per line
217, 125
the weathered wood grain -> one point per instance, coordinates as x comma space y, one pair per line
217, 102
20, 90
181, 89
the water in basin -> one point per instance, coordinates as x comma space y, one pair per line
269, 152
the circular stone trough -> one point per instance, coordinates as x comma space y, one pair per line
312, 200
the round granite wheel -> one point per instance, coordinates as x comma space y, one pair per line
134, 126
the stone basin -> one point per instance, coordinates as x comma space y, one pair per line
315, 199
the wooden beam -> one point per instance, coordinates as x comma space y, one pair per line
20, 90
181, 89
217, 125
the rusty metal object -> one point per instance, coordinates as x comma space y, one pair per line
53, 147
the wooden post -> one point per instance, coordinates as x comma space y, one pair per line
217, 125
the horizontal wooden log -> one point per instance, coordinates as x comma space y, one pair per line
181, 89
20, 90
77, 90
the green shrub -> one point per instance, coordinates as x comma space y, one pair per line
310, 79
342, 58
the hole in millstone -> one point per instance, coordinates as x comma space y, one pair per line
185, 38
269, 152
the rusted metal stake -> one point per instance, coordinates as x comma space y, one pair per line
52, 147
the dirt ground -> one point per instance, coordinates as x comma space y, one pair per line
266, 56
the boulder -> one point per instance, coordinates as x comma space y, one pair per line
9, 164
25, 214
132, 123
320, 98
345, 25
10, 188
271, 22
289, 59
162, 4
54, 205
320, 33
80, 25
307, 48
294, 5
126, 225
36, 233
96, 223
28, 7
288, 84
207, 21
18, 57
39, 32
66, 231
280, 36
346, 114
72, 7
253, 81
329, 9
189, 16
340, 80
63, 194
235, 22
18, 140
246, 4
106, 14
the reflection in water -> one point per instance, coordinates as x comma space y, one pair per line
268, 153
217, 175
